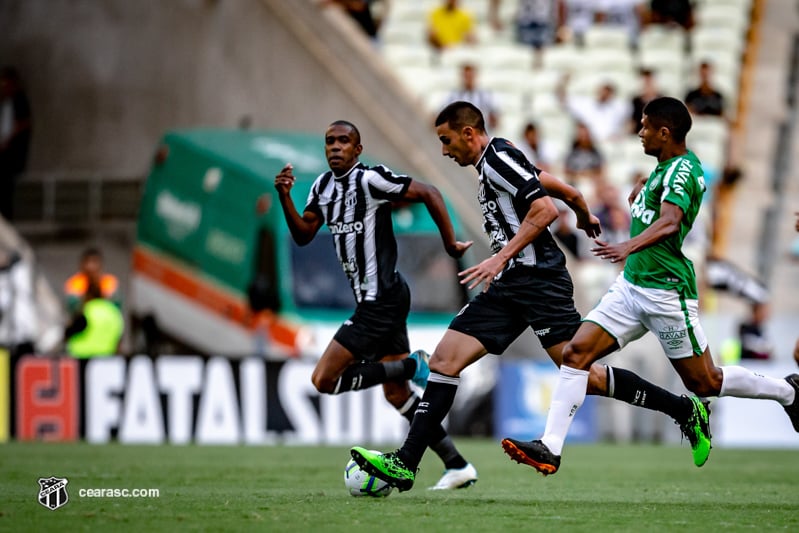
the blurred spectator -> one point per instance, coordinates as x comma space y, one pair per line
566, 232
361, 12
796, 242
576, 16
96, 327
449, 25
628, 14
583, 159
754, 342
606, 115
536, 21
672, 13
649, 92
481, 98
613, 216
534, 148
15, 136
90, 271
705, 99
18, 313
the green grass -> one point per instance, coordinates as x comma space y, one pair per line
599, 488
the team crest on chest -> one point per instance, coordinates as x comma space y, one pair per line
654, 182
350, 198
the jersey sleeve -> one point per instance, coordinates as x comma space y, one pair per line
386, 185
312, 203
510, 171
684, 186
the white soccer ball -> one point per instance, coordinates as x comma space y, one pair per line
359, 483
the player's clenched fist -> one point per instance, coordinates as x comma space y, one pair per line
284, 181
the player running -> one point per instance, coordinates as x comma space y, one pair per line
525, 284
656, 292
355, 202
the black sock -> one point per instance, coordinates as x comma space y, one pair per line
433, 407
441, 442
629, 387
364, 375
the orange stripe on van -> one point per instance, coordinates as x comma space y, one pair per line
214, 299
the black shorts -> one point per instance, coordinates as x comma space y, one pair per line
379, 328
541, 299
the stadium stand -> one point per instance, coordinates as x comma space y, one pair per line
525, 90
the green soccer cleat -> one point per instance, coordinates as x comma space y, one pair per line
697, 429
386, 466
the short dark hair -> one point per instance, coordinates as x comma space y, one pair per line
460, 114
670, 113
350, 125
91, 252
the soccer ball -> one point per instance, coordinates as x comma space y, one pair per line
359, 483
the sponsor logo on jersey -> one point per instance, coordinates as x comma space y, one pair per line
339, 228
349, 267
645, 215
672, 333
682, 175
542, 332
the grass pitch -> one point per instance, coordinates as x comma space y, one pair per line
599, 488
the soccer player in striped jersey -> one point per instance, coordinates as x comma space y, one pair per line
525, 284
371, 347
656, 292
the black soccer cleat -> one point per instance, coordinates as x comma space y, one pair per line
534, 453
793, 409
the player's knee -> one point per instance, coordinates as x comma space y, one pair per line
577, 355
448, 366
322, 383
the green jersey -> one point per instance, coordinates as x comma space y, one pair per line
680, 181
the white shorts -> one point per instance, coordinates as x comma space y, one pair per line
628, 311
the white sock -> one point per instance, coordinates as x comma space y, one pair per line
568, 397
743, 383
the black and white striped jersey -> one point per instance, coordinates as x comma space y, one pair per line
357, 209
508, 184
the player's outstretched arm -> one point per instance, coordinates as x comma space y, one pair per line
575, 200
664, 227
541, 214
434, 202
303, 227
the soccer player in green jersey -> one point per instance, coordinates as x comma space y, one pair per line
656, 292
